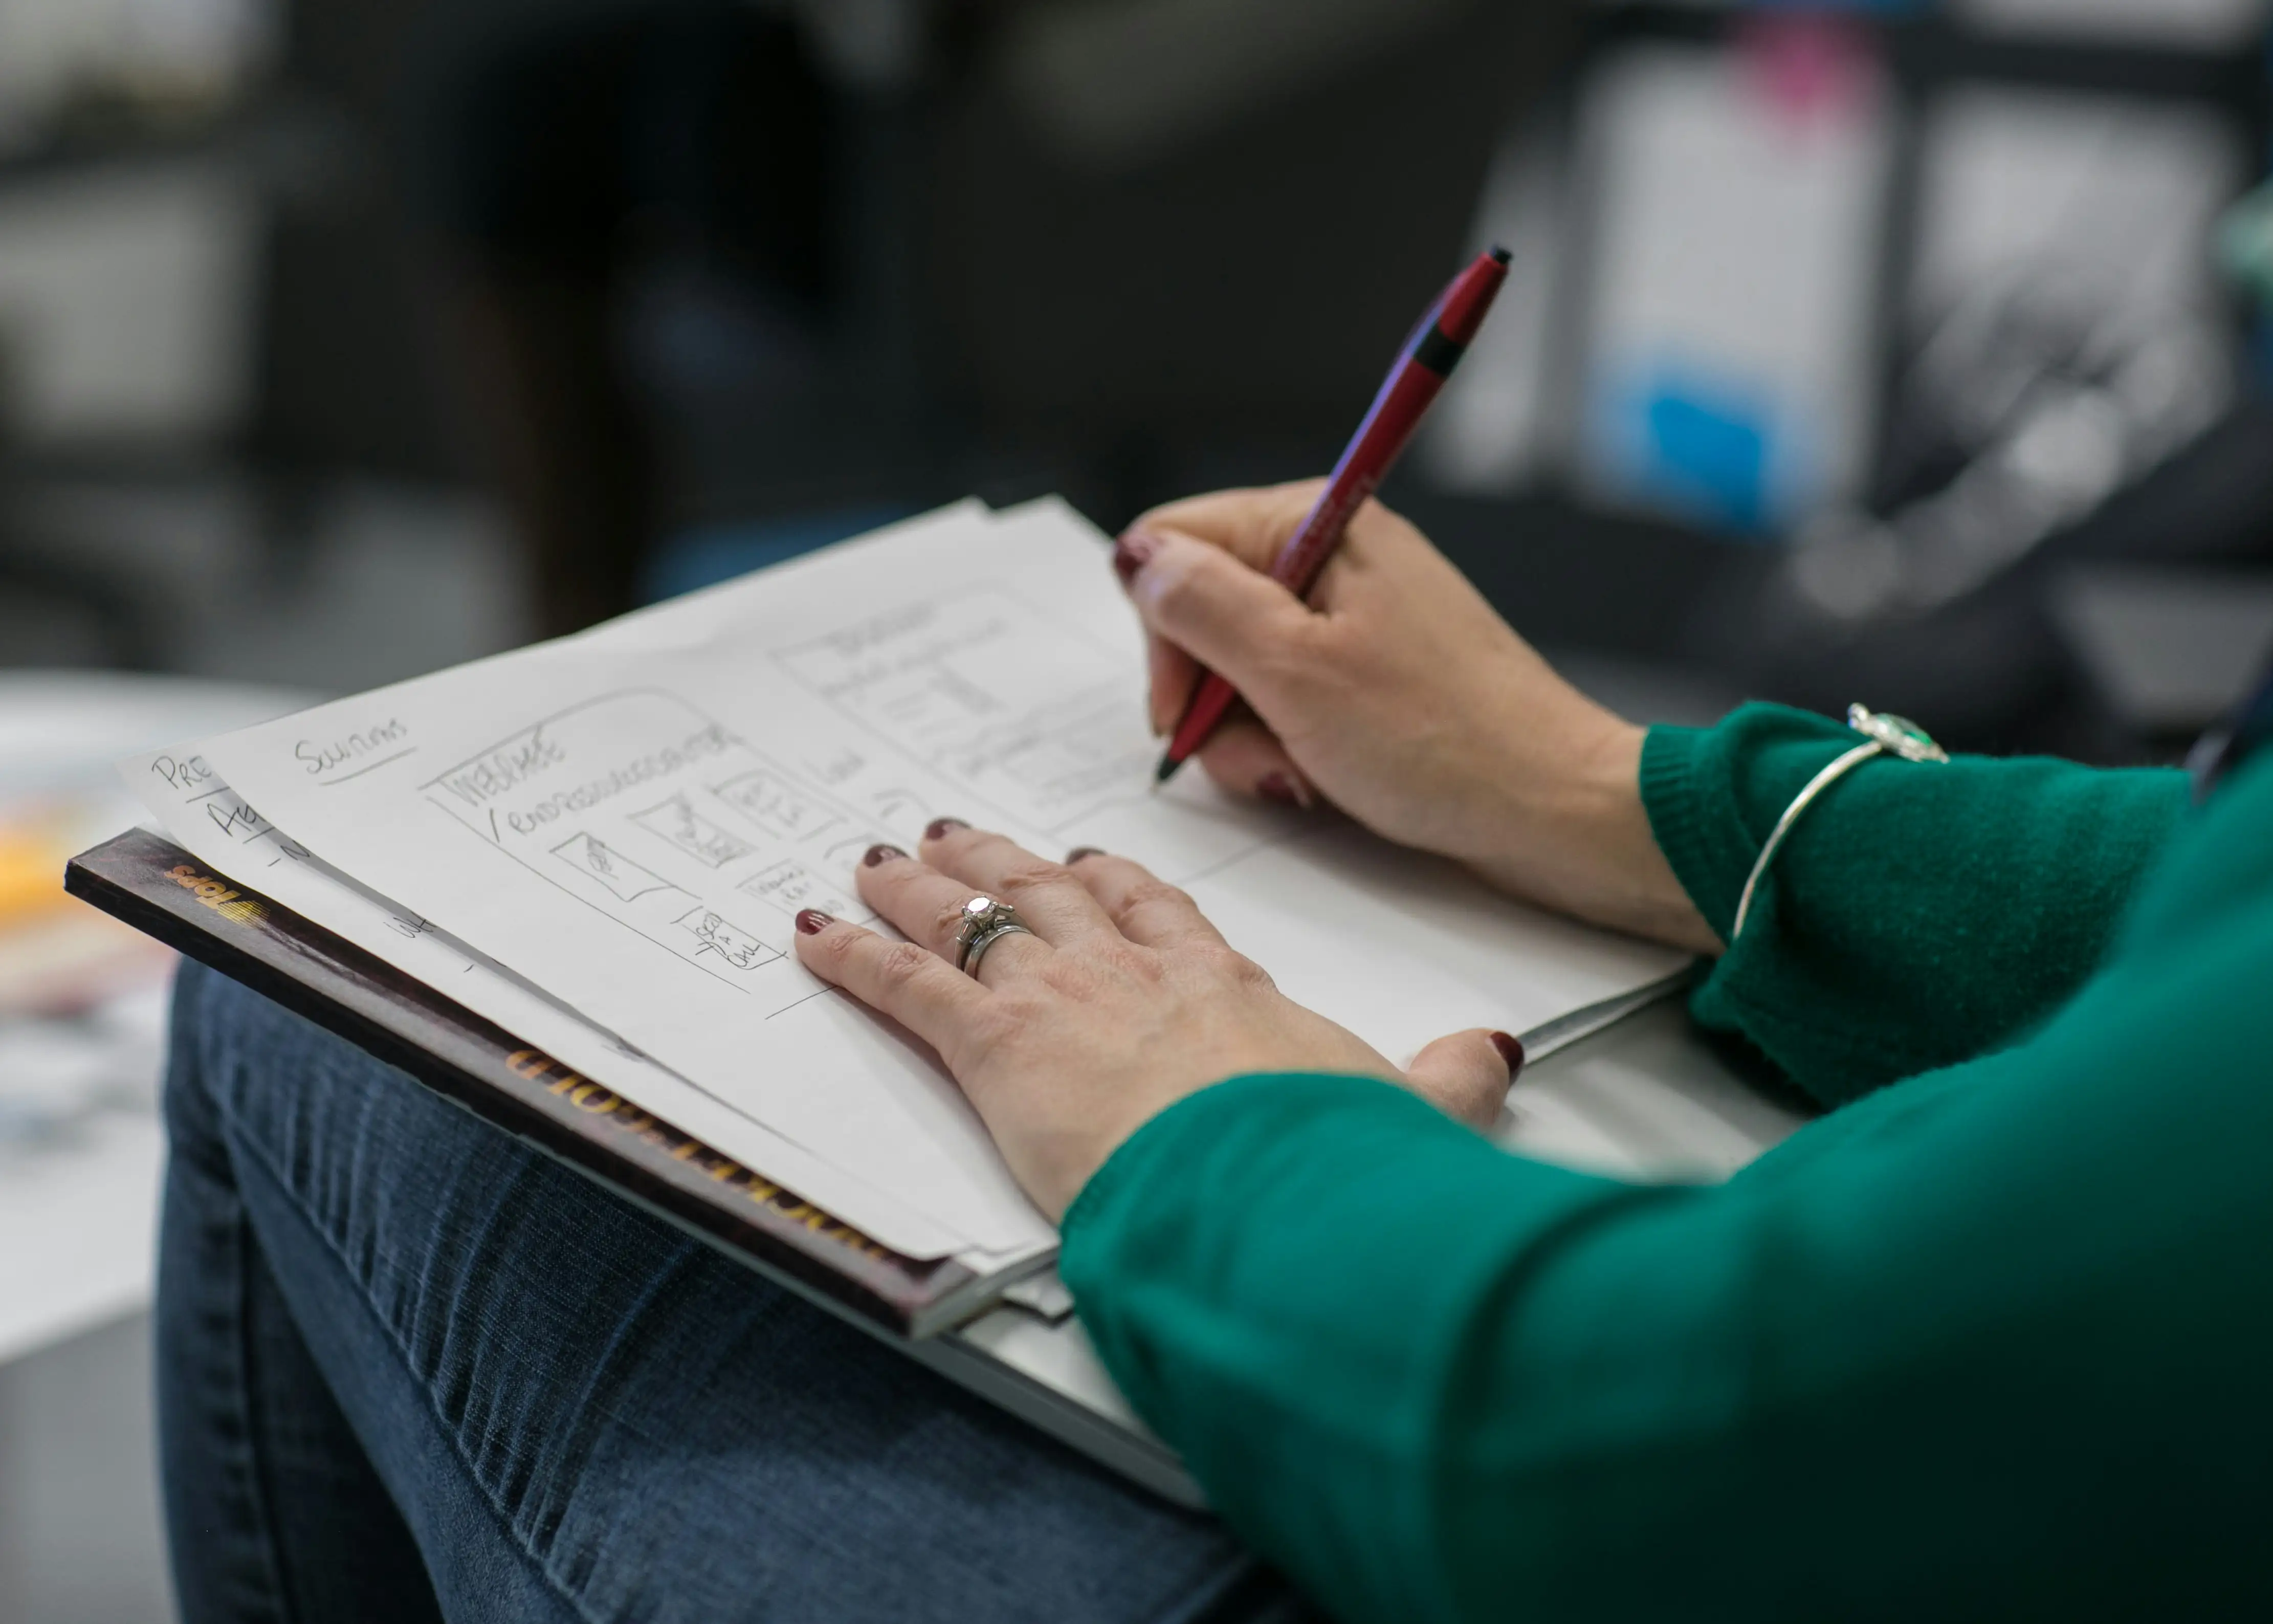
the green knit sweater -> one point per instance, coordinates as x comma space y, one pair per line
1994, 1340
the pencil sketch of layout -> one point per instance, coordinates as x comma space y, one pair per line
1018, 714
738, 947
653, 814
791, 887
773, 803
589, 855
677, 821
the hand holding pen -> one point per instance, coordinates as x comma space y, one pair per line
1438, 342
1396, 693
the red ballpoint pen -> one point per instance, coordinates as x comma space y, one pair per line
1426, 361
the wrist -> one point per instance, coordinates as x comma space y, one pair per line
1573, 834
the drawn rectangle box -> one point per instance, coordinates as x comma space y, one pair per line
676, 820
792, 886
597, 860
775, 805
717, 935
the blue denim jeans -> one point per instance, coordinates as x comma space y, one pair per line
411, 1370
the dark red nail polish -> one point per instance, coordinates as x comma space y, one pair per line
1080, 851
1132, 552
880, 854
813, 921
1279, 787
1511, 1050
943, 827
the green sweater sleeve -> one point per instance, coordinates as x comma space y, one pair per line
1919, 913
1989, 1342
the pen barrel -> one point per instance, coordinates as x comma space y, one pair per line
1397, 413
1211, 703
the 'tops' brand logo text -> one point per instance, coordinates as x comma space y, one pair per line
233, 906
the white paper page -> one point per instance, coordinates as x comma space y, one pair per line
197, 811
631, 819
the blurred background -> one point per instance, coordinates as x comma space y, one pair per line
1907, 353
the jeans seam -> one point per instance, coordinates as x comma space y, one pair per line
410, 1366
255, 1485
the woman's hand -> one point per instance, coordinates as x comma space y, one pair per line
1399, 695
1123, 1001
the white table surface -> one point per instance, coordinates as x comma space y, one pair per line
83, 1220
80, 1215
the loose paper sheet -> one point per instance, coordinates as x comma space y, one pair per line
200, 813
630, 819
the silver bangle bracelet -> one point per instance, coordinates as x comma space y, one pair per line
1884, 734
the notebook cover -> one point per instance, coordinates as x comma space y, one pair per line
158, 888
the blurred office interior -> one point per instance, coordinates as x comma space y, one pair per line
1907, 353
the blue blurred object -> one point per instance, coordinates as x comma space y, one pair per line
706, 556
1711, 454
1700, 446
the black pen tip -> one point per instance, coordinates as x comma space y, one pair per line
1166, 770
1501, 255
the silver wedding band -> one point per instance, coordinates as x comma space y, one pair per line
984, 922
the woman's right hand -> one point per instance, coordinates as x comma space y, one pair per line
1399, 695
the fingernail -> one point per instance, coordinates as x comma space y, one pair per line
1279, 787
941, 828
1511, 1050
1132, 552
813, 921
1080, 851
880, 854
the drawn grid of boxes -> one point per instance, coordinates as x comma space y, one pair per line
707, 930
775, 804
944, 680
791, 847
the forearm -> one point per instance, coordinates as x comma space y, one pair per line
1994, 1322
1291, 1317
1526, 1394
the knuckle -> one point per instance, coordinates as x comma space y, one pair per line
1032, 874
1241, 970
1153, 893
900, 963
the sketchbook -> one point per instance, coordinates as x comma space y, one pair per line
598, 845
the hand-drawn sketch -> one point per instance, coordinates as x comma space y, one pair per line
632, 772
677, 821
770, 800
792, 887
589, 855
738, 947
950, 681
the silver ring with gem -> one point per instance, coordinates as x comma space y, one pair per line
1887, 735
984, 922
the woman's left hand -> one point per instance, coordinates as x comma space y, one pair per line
1123, 1000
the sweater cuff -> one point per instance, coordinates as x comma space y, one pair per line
1671, 794
1713, 793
